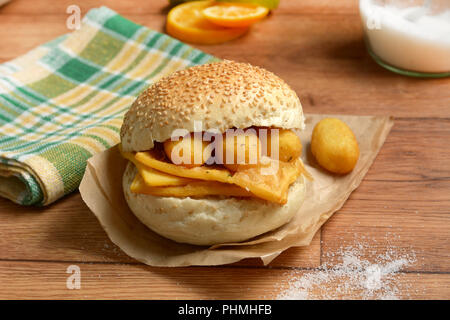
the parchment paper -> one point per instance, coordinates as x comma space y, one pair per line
101, 190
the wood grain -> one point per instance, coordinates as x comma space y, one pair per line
416, 149
106, 281
68, 231
402, 206
419, 229
323, 67
160, 6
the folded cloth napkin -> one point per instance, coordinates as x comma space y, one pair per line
64, 101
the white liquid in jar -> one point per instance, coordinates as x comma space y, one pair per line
409, 38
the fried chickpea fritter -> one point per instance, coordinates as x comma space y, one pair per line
334, 146
175, 151
240, 150
289, 145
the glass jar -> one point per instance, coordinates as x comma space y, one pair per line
410, 37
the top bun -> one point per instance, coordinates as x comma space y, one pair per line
220, 95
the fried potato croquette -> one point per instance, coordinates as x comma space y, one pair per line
240, 150
289, 144
334, 146
197, 151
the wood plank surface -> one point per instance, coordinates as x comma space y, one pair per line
403, 204
115, 281
68, 231
323, 58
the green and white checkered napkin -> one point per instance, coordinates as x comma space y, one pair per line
64, 101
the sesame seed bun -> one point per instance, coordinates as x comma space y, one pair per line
211, 220
221, 95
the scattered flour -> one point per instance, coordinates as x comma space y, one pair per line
352, 274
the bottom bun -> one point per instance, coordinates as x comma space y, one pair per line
211, 220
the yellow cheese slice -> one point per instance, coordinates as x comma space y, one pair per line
155, 178
272, 187
153, 160
194, 189
152, 177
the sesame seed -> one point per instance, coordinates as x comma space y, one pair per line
220, 91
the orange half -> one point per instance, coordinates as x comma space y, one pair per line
186, 22
235, 15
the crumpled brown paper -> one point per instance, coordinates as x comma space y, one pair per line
101, 189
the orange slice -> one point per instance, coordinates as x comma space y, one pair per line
186, 22
235, 15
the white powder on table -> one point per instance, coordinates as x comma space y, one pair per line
354, 276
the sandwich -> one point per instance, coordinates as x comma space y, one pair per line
213, 154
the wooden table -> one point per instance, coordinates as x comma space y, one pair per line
317, 47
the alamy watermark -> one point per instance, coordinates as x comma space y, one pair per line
74, 280
373, 21
73, 22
